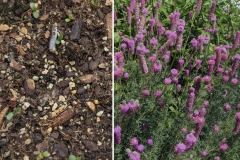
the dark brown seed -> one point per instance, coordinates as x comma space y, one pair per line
100, 14
76, 29
13, 102
29, 86
63, 83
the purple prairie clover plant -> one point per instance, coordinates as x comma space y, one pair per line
223, 140
179, 148
206, 79
191, 90
204, 153
157, 67
145, 93
191, 140
227, 107
234, 81
184, 130
225, 78
237, 124
198, 6
195, 113
210, 67
140, 148
187, 72
126, 76
220, 71
235, 60
167, 81
178, 88
132, 5
172, 36
151, 23
174, 17
194, 44
205, 104
200, 43
175, 80
117, 135
123, 47
190, 101
115, 17
134, 155
134, 142
199, 125
145, 126
174, 72
118, 72
216, 129
153, 58
161, 103
223, 147
180, 29
141, 52
157, 94
180, 64
217, 158
202, 112
236, 40
197, 84
150, 142
139, 37
153, 42
218, 50
198, 63
210, 88
212, 10
160, 31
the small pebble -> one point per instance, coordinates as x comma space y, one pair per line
35, 78
74, 91
98, 119
61, 98
72, 63
99, 114
54, 107
71, 85
104, 38
39, 108
106, 49
99, 143
28, 141
96, 101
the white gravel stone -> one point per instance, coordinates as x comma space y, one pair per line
39, 108
61, 98
99, 114
54, 107
72, 63
71, 85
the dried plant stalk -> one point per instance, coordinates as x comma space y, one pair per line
53, 38
63, 117
58, 111
3, 114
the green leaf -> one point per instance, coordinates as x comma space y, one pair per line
70, 16
60, 37
78, 158
57, 42
10, 115
67, 20
45, 154
17, 110
72, 157
35, 14
32, 6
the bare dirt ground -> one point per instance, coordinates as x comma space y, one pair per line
56, 102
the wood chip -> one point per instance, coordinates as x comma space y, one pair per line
47, 34
76, 1
91, 105
24, 30
20, 50
14, 65
15, 36
109, 24
108, 2
4, 27
44, 17
76, 29
88, 78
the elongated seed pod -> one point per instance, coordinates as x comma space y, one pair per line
3, 114
63, 117
53, 38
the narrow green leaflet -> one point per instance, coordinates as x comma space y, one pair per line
10, 115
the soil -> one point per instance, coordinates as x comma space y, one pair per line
64, 95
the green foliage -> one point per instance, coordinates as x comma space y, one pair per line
43, 155
72, 157
59, 38
70, 16
164, 125
95, 3
34, 7
15, 112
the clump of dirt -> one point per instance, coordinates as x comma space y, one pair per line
64, 94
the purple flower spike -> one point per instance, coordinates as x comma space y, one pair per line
198, 7
227, 107
223, 147
153, 42
134, 155
194, 43
191, 89
157, 94
225, 78
126, 76
167, 81
216, 129
191, 140
236, 40
187, 72
139, 37
115, 17
198, 63
145, 126
140, 148
134, 142
220, 71
175, 80
153, 58
207, 79
179, 87
184, 130
161, 103
203, 112
179, 148
237, 124
123, 47
157, 67
129, 15
117, 134
180, 64
174, 72
145, 93
210, 88
150, 142
195, 113
217, 158
213, 7
204, 153
190, 101
234, 81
